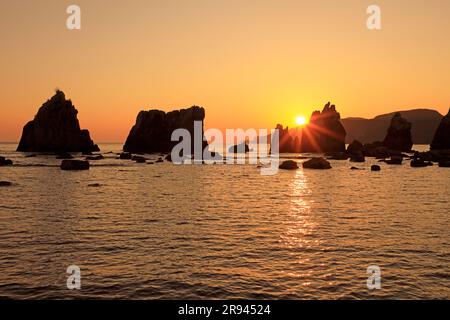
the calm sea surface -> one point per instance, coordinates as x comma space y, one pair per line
222, 231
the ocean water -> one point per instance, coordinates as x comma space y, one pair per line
164, 231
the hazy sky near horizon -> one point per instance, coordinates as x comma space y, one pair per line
250, 63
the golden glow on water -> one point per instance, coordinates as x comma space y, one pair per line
222, 232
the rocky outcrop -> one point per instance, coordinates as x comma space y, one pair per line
289, 142
325, 132
55, 128
441, 140
399, 134
317, 163
74, 165
153, 130
288, 165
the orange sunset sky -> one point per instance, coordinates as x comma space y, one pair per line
250, 63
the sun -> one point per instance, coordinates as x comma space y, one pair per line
300, 120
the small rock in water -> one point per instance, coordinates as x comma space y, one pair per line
94, 185
96, 157
317, 163
394, 160
125, 156
337, 156
357, 157
289, 165
5, 184
420, 163
74, 165
375, 167
139, 159
5, 162
355, 168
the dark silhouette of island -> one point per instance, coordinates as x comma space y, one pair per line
424, 123
441, 139
153, 129
55, 128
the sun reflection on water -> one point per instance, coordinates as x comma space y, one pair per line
300, 223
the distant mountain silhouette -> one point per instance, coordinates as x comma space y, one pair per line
424, 124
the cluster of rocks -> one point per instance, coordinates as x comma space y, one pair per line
396, 146
55, 128
314, 163
142, 159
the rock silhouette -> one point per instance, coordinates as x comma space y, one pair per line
399, 134
325, 132
375, 167
357, 157
441, 140
355, 147
288, 142
5, 162
74, 165
55, 128
288, 165
420, 163
317, 163
153, 129
395, 160
239, 148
